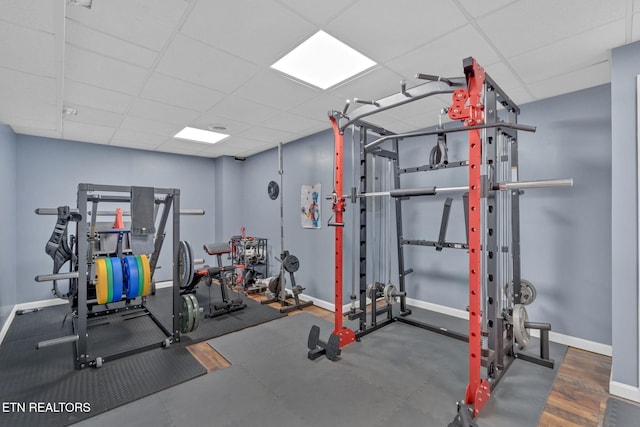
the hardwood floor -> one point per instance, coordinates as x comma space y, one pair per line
577, 398
580, 391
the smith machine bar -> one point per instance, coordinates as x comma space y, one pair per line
497, 293
111, 268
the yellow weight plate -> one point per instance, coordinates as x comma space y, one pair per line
146, 269
102, 281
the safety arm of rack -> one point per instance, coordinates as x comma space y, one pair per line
515, 126
408, 95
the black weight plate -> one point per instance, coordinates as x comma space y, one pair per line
291, 263
333, 347
314, 336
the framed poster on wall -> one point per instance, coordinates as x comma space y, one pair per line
310, 209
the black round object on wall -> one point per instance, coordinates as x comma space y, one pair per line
273, 189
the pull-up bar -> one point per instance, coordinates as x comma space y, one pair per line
501, 186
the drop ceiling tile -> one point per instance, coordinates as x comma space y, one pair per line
194, 61
26, 113
382, 30
635, 28
319, 13
275, 90
82, 94
477, 8
30, 13
172, 91
180, 147
586, 77
263, 134
94, 116
27, 50
375, 84
76, 131
521, 95
547, 21
258, 31
234, 107
16, 87
158, 111
148, 24
35, 131
107, 45
233, 127
293, 123
570, 54
503, 76
108, 73
444, 56
318, 108
155, 127
126, 137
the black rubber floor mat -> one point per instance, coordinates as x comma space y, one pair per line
621, 414
42, 388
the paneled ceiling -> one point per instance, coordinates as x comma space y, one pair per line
138, 71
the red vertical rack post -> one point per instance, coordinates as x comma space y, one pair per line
345, 334
467, 105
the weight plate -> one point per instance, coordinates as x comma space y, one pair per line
333, 347
146, 271
389, 289
196, 312
185, 263
140, 275
527, 292
187, 318
116, 267
109, 279
291, 263
314, 337
520, 332
102, 281
131, 276
273, 189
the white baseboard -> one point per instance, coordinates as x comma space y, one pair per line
625, 391
316, 301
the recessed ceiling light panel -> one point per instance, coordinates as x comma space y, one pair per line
200, 135
323, 61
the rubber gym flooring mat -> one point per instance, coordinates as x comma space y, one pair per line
400, 375
42, 387
621, 414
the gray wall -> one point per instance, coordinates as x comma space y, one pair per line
306, 161
48, 173
625, 65
7, 221
564, 232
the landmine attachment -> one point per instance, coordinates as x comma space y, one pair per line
318, 348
